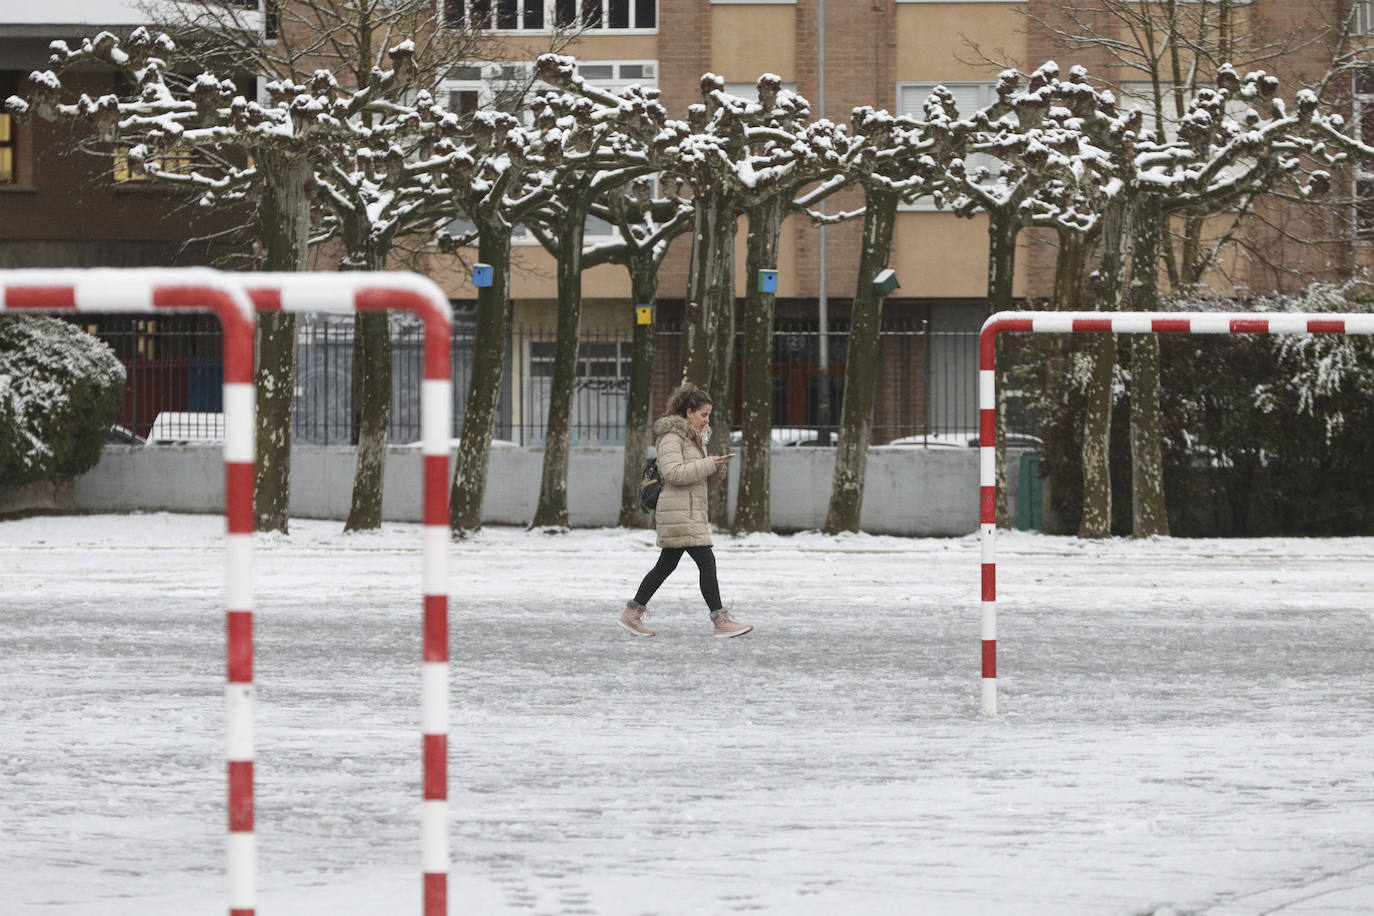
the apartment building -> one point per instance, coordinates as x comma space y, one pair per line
839, 54
891, 54
59, 206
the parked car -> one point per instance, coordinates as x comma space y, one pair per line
186, 428
965, 440
455, 442
122, 435
786, 437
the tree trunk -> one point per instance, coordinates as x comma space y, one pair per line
1097, 418
372, 392
861, 366
752, 507
372, 407
710, 290
1097, 431
1003, 228
710, 327
553, 485
1148, 514
722, 386
1070, 268
643, 269
285, 235
484, 387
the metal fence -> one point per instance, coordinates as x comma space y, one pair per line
927, 385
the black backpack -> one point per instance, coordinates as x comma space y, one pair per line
650, 484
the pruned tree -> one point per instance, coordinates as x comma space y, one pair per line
785, 152
236, 148
894, 160
493, 181
1036, 171
647, 226
590, 156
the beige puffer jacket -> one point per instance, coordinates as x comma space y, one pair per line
681, 519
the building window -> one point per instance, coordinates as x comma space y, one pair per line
178, 163
8, 159
1363, 23
600, 392
7, 171
548, 15
968, 98
497, 86
1364, 172
509, 87
750, 91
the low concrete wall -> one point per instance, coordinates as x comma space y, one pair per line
40, 496
909, 491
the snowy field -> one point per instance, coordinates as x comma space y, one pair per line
1187, 727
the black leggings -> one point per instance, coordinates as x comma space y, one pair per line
667, 562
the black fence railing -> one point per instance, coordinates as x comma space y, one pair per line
927, 386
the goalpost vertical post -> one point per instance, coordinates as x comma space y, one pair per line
343, 293
987, 497
194, 289
1100, 323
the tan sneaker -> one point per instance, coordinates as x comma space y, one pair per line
726, 628
633, 618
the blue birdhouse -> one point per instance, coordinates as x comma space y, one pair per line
768, 281
481, 275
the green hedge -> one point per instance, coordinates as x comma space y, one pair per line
1262, 434
60, 389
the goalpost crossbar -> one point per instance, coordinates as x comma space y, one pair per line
1101, 323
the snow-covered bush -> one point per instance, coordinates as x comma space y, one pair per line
60, 389
1274, 432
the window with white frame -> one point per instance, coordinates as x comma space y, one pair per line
1142, 95
968, 98
1363, 23
1363, 105
509, 86
548, 15
503, 86
750, 91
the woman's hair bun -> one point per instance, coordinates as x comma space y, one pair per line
687, 397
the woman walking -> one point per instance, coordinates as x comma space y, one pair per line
680, 519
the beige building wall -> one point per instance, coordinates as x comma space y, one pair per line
945, 41
749, 41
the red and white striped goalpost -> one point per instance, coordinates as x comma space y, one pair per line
204, 290
1100, 323
234, 298
344, 293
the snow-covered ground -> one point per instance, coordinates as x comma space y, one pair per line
1186, 726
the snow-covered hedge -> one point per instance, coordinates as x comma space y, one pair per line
1264, 434
60, 389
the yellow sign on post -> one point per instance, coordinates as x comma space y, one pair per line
644, 314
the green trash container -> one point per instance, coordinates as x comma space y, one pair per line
1030, 491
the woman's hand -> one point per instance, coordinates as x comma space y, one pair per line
722, 460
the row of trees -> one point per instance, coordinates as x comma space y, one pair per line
361, 153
